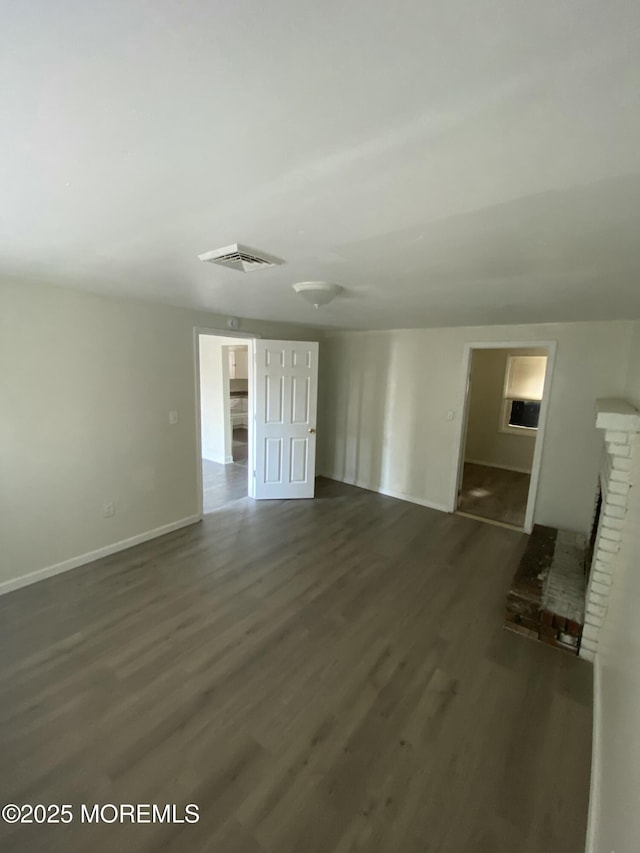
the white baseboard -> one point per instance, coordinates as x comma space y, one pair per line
596, 759
495, 465
90, 556
403, 496
219, 460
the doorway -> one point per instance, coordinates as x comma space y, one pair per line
264, 447
225, 425
507, 388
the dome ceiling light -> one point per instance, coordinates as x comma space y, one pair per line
317, 293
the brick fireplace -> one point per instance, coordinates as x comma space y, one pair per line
560, 591
620, 422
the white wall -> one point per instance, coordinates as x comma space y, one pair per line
86, 386
385, 396
632, 386
485, 441
616, 815
214, 398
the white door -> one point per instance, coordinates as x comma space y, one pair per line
286, 390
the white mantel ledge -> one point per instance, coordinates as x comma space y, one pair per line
617, 415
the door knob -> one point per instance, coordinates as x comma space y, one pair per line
311, 429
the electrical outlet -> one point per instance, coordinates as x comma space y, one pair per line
173, 418
109, 509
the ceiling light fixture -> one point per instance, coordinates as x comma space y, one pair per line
317, 292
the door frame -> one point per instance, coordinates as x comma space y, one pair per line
250, 337
461, 435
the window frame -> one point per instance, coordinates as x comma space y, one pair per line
505, 427
505, 411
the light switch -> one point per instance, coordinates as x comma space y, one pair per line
173, 418
450, 415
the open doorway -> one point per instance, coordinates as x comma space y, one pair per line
263, 447
225, 425
501, 446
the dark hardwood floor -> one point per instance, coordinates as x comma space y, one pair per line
494, 493
321, 676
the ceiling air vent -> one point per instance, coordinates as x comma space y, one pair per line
242, 258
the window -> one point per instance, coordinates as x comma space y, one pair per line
523, 385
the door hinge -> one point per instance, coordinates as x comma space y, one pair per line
254, 475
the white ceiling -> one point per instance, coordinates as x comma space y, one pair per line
447, 162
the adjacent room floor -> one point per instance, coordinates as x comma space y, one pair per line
494, 493
319, 676
224, 483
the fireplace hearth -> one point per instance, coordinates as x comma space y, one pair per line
547, 597
560, 592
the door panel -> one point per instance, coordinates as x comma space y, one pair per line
274, 399
298, 456
273, 460
286, 388
300, 398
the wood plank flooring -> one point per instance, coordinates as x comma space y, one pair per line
494, 493
321, 676
224, 483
